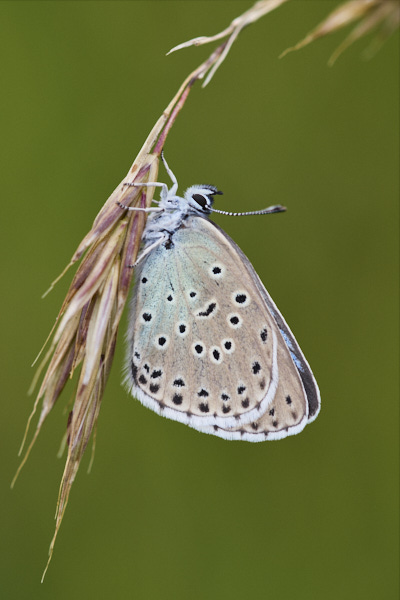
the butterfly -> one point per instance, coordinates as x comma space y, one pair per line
206, 344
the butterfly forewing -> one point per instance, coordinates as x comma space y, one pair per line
297, 399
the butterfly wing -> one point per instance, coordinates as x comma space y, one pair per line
202, 343
204, 348
297, 399
287, 414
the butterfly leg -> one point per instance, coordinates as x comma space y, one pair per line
163, 237
164, 190
150, 209
174, 187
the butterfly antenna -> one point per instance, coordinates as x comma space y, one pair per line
264, 211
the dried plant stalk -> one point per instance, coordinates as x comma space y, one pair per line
381, 15
258, 10
87, 325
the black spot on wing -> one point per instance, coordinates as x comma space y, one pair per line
209, 310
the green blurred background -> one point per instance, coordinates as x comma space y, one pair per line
168, 512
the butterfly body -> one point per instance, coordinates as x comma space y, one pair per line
206, 344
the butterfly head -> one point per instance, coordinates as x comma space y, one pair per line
200, 198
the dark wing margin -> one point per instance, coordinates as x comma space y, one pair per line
302, 366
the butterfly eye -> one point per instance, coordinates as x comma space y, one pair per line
201, 200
